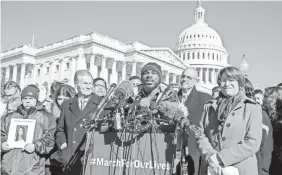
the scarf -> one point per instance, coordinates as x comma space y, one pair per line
225, 106
26, 112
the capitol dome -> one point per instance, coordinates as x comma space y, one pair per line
201, 47
199, 33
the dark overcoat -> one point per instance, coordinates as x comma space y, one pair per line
195, 105
70, 130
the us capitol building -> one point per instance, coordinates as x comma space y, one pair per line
198, 46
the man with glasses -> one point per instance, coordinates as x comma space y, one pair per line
194, 101
100, 87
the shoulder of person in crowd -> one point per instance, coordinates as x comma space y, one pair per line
202, 90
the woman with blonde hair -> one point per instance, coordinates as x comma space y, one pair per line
231, 128
272, 103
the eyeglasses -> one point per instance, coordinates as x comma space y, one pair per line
99, 85
225, 81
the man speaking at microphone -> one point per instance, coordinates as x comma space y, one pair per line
151, 87
71, 135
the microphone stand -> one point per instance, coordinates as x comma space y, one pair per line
91, 125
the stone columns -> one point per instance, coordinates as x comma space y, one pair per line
216, 74
81, 61
22, 79
134, 73
139, 66
104, 70
207, 76
7, 74
201, 75
166, 77
62, 69
173, 78
72, 70
15, 71
34, 71
93, 67
213, 76
200, 55
206, 55
177, 79
42, 72
124, 71
114, 75
51, 71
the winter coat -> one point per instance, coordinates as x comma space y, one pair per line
265, 152
240, 139
70, 130
16, 162
276, 161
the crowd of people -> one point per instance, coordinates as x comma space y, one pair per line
241, 127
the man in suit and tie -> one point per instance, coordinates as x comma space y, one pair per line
71, 135
194, 101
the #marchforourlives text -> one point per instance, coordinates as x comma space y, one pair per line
135, 164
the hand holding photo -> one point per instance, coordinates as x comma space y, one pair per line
21, 132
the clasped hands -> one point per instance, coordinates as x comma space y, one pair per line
29, 147
215, 164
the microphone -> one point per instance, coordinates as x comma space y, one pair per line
186, 124
120, 94
153, 107
135, 104
109, 93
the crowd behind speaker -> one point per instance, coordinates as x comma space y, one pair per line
209, 121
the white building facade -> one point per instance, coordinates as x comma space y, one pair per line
198, 46
201, 47
101, 55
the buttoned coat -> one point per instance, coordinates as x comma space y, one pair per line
70, 128
240, 139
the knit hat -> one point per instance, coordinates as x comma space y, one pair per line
30, 91
154, 67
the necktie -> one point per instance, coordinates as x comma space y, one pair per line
82, 103
184, 98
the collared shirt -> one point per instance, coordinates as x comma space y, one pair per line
185, 95
82, 102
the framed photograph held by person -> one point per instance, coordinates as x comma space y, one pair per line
21, 132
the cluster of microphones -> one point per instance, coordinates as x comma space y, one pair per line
121, 101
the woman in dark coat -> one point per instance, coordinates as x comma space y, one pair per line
273, 105
266, 147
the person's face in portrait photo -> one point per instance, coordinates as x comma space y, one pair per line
21, 134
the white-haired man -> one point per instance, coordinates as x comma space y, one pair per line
194, 101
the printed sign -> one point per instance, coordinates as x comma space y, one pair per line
131, 154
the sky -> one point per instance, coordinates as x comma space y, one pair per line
250, 28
